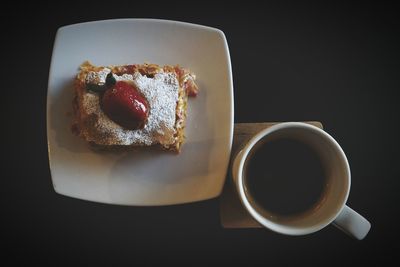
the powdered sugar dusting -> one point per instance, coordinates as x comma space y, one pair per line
161, 93
97, 77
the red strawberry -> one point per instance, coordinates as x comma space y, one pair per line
125, 105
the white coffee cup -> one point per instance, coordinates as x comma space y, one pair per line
332, 209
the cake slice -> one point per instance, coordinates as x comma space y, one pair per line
132, 105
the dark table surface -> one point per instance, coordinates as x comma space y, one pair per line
338, 64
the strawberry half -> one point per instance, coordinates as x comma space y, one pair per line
123, 104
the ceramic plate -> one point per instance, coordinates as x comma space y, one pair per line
145, 176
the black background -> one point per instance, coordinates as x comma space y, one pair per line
338, 64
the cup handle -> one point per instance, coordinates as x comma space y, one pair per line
352, 223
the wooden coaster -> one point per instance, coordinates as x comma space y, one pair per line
232, 213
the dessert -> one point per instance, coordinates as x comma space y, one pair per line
132, 105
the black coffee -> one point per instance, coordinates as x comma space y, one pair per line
284, 176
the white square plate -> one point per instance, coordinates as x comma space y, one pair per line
146, 176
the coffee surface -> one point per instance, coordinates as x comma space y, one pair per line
284, 176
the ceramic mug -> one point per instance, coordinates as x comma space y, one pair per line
332, 209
